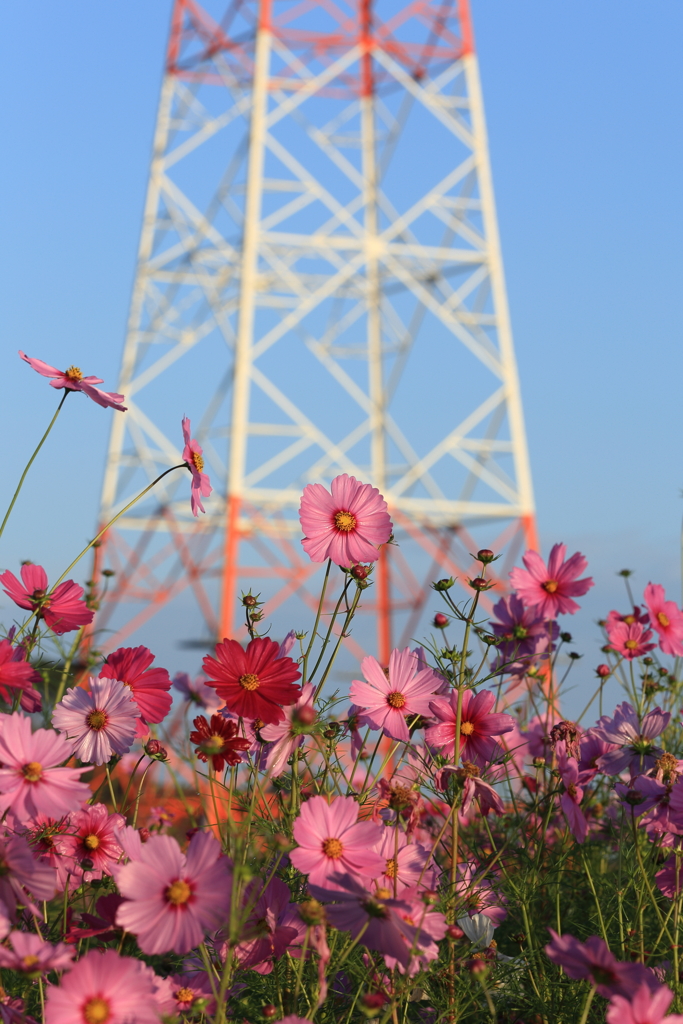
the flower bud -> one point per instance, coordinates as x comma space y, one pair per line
633, 798
155, 750
648, 661
108, 572
455, 933
566, 638
440, 620
603, 671
444, 584
268, 1011
249, 601
485, 555
479, 583
311, 912
87, 864
372, 1002
360, 572
430, 897
145, 834
305, 715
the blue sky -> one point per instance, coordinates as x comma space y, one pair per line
584, 106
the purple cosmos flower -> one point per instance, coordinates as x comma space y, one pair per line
632, 738
592, 960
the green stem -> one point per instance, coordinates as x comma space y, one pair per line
30, 462
587, 1006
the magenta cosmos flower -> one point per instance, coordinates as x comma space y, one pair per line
194, 459
630, 640
478, 726
550, 589
644, 1007
592, 960
255, 682
73, 380
332, 840
149, 687
63, 610
632, 739
666, 618
19, 871
31, 781
92, 836
104, 988
15, 672
30, 954
173, 899
100, 722
348, 525
386, 701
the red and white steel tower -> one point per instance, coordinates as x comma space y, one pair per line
320, 288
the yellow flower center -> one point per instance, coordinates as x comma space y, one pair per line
29, 961
344, 521
178, 892
333, 848
96, 1011
96, 720
92, 842
550, 586
396, 699
198, 461
663, 619
466, 728
74, 373
185, 995
250, 681
629, 619
384, 894
630, 644
32, 771
391, 870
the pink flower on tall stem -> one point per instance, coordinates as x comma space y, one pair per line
255, 682
149, 687
30, 954
666, 618
405, 863
571, 799
73, 380
266, 934
193, 456
550, 589
643, 1007
19, 871
31, 781
478, 726
173, 899
100, 722
630, 640
104, 988
63, 610
287, 735
387, 700
349, 525
15, 672
592, 960
332, 841
92, 836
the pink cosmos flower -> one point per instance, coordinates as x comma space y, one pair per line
666, 618
184, 991
31, 781
478, 726
100, 722
630, 641
348, 525
405, 862
386, 701
149, 687
63, 610
474, 788
632, 739
15, 672
30, 954
104, 988
92, 836
550, 590
174, 899
73, 380
19, 871
332, 841
478, 896
637, 615
571, 799
194, 458
592, 748
284, 737
45, 836
592, 960
430, 925
195, 691
644, 1007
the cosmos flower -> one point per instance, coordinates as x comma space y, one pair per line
30, 954
255, 682
104, 988
20, 871
92, 836
287, 735
149, 687
218, 742
478, 726
550, 589
523, 634
592, 960
666, 618
195, 691
15, 672
73, 380
99, 722
63, 610
404, 863
331, 840
632, 739
349, 525
266, 933
630, 640
386, 701
173, 899
31, 779
194, 459
643, 1007
571, 799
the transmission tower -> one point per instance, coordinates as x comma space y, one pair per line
319, 286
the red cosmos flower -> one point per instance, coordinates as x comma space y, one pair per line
219, 741
477, 726
253, 683
63, 610
550, 590
194, 457
15, 672
149, 686
73, 380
